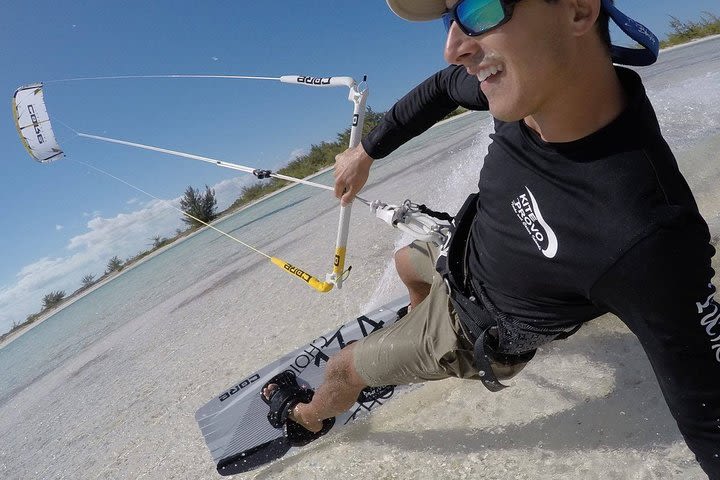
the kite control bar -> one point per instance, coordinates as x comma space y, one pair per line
358, 96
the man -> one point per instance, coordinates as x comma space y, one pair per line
581, 211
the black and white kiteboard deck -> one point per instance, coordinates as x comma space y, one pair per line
235, 424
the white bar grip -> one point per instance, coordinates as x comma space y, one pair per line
359, 99
319, 81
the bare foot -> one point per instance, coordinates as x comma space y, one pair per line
296, 413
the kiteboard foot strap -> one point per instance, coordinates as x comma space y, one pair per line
299, 436
286, 395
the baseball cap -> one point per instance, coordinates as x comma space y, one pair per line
424, 10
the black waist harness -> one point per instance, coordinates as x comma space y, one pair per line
496, 336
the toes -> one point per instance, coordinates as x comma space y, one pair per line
268, 391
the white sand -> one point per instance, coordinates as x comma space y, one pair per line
586, 408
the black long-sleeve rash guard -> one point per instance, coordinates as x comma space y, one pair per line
567, 232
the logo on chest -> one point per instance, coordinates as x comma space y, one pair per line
528, 211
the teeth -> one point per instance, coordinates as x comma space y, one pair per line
483, 74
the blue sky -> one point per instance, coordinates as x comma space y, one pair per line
63, 220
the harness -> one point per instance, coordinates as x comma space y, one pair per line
496, 336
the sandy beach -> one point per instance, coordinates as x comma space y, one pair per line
589, 407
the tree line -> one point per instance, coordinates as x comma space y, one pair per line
709, 24
200, 207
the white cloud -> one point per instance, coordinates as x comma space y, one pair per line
59, 227
124, 235
127, 233
36, 280
297, 153
227, 191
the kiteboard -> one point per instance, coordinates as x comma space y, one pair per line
234, 423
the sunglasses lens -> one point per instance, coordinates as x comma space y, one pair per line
478, 16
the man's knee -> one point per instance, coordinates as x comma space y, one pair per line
417, 285
406, 269
403, 265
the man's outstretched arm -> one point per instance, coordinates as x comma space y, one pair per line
662, 290
413, 114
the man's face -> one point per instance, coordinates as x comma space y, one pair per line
522, 65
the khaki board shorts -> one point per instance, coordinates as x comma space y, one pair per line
427, 343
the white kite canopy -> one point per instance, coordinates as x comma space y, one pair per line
33, 124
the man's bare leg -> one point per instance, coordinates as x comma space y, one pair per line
338, 392
342, 384
417, 287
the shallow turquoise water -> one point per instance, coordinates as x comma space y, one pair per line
144, 351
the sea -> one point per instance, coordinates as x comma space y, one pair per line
108, 386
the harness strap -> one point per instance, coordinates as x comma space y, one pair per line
479, 326
478, 316
515, 335
474, 317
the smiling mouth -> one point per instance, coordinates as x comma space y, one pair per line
486, 73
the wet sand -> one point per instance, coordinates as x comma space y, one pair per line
588, 407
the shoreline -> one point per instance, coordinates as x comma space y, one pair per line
44, 317
143, 355
691, 42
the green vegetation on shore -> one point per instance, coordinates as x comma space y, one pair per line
319, 157
683, 32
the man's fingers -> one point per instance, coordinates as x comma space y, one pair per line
339, 189
348, 197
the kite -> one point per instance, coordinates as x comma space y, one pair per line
33, 124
